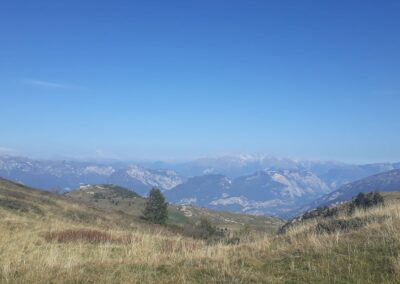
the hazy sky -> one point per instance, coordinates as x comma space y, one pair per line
183, 79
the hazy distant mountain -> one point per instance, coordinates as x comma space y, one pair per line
334, 174
52, 175
264, 192
233, 166
141, 180
247, 183
65, 175
200, 190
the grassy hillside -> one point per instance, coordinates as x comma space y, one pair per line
46, 238
391, 196
334, 211
118, 198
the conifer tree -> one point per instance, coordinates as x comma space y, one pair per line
156, 208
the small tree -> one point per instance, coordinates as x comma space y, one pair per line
156, 208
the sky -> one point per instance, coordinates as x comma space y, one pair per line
187, 79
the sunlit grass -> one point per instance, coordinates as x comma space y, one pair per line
104, 247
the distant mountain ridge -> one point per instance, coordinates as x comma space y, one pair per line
264, 192
333, 173
253, 184
234, 165
66, 175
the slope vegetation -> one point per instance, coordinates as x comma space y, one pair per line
54, 239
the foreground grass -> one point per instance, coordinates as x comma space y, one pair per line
47, 239
367, 255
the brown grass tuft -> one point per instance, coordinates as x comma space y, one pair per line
76, 235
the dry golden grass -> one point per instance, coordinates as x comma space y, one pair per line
87, 247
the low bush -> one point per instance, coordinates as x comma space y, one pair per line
366, 200
320, 212
335, 225
201, 230
98, 195
325, 212
205, 230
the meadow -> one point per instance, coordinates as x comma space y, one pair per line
49, 239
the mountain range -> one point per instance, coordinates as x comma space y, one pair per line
63, 176
270, 192
252, 184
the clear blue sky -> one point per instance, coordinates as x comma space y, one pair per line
184, 79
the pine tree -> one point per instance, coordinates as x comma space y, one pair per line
156, 208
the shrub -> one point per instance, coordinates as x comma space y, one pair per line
366, 200
201, 230
156, 210
335, 225
324, 212
98, 195
205, 230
